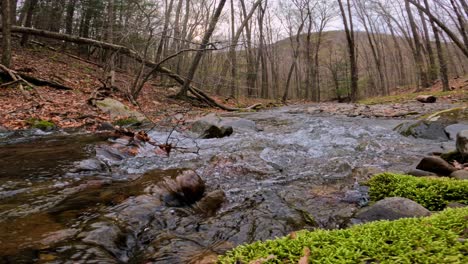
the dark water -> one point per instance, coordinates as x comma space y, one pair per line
294, 174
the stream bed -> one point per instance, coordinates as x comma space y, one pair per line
294, 172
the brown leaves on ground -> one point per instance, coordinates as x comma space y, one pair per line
69, 109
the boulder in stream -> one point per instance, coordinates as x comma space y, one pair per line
436, 165
391, 209
213, 126
454, 129
462, 143
186, 189
434, 126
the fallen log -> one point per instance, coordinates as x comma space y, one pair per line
426, 99
17, 77
128, 52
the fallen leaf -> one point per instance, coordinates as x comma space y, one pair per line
305, 259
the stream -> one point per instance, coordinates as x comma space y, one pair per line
297, 172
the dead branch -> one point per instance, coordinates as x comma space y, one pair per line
41, 82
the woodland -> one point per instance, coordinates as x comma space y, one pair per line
233, 131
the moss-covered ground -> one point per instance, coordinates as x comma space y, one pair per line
440, 238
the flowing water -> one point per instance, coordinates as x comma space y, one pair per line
296, 173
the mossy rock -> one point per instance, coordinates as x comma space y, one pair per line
433, 126
432, 193
455, 115
131, 121
439, 238
117, 110
41, 124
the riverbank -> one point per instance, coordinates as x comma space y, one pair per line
67, 109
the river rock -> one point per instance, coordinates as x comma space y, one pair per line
433, 126
436, 165
105, 126
423, 129
88, 165
420, 173
186, 189
210, 127
118, 110
213, 126
454, 129
462, 143
391, 209
3, 129
460, 175
211, 202
58, 236
105, 235
191, 185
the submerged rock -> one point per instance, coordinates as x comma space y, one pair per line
211, 202
391, 209
88, 165
105, 235
436, 165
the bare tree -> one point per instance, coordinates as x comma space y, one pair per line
203, 46
6, 32
349, 30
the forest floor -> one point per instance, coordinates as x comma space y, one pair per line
70, 109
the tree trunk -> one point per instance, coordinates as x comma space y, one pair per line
351, 50
430, 53
422, 75
203, 45
453, 36
109, 69
69, 17
6, 33
440, 53
162, 42
28, 23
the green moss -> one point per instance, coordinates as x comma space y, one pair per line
436, 239
126, 122
432, 193
454, 114
40, 124
409, 97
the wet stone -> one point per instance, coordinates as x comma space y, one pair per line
106, 235
391, 209
436, 165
